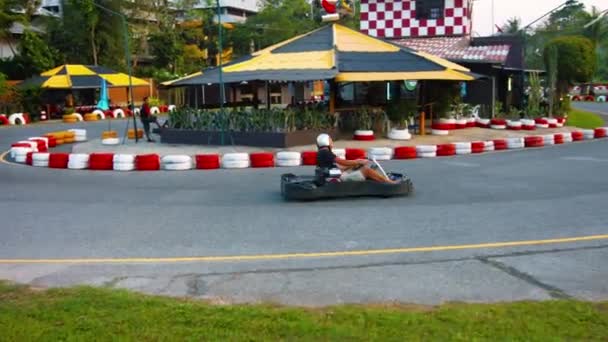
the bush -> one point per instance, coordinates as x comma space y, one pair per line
399, 112
576, 61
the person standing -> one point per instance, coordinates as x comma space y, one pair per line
146, 118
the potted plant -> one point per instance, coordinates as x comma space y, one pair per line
364, 122
400, 114
498, 121
513, 119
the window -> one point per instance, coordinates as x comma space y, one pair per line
430, 9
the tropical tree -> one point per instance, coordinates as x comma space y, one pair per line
512, 26
572, 48
8, 16
35, 56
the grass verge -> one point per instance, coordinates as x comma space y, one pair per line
582, 119
84, 313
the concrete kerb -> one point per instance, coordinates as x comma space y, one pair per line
169, 160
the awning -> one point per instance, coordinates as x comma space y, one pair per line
77, 76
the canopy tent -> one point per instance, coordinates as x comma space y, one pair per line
77, 76
332, 52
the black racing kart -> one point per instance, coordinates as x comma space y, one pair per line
326, 184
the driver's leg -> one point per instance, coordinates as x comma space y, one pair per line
374, 175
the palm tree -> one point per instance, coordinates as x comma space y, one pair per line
512, 26
598, 32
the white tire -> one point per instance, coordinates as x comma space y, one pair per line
484, 122
439, 132
16, 119
110, 141
136, 111
427, 154
79, 138
288, 162
230, 157
588, 134
340, 153
286, 155
154, 110
498, 126
38, 156
447, 121
380, 151
364, 133
78, 165
463, 151
178, 166
471, 120
601, 98
488, 146
514, 124
118, 113
20, 158
549, 139
542, 125
124, 158
426, 148
176, 159
78, 116
40, 163
463, 145
515, 143
123, 166
78, 131
15, 151
399, 134
172, 108
40, 138
78, 158
551, 121
235, 164
461, 121
33, 144
567, 137
100, 114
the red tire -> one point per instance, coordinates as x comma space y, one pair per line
109, 114
599, 133
499, 122
355, 153
577, 136
443, 126
528, 127
262, 159
558, 138
27, 118
590, 98
128, 112
446, 150
28, 158
364, 137
207, 161
405, 152
309, 158
4, 120
461, 126
52, 142
478, 147
576, 98
101, 161
147, 162
534, 141
58, 160
21, 145
552, 125
471, 124
561, 120
541, 121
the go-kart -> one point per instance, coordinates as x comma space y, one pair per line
326, 183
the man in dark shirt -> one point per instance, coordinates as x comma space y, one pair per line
352, 170
146, 117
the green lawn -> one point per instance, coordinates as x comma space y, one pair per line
582, 119
87, 314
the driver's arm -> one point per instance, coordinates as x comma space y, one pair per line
351, 163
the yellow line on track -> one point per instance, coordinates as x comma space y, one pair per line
2, 158
261, 257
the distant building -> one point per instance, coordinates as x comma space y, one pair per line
9, 46
231, 11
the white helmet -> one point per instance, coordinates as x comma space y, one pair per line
323, 140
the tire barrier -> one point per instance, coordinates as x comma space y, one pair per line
109, 134
534, 141
118, 114
123, 162
590, 98
399, 134
355, 153
288, 159
483, 123
601, 98
147, 162
448, 124
78, 161
463, 148
28, 159
478, 147
528, 124
599, 133
40, 159
552, 122
80, 135
560, 121
42, 143
261, 159
577, 136
19, 153
309, 158
100, 115
567, 137
426, 151
235, 161
4, 120
176, 162
69, 118
207, 161
558, 138
110, 141
171, 108
471, 122
442, 126
439, 132
18, 119
514, 125
549, 139
541, 123
340, 152
488, 146
446, 150
131, 133
513, 143
380, 153
101, 161
588, 134
405, 152
362, 135
154, 110
461, 123
498, 123
58, 160
91, 117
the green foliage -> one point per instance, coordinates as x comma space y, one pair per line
3, 85
499, 110
31, 100
154, 101
35, 56
364, 118
535, 95
569, 49
514, 113
400, 111
252, 120
166, 49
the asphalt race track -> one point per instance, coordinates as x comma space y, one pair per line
138, 230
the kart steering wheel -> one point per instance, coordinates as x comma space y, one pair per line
379, 167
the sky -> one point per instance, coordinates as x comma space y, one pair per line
527, 10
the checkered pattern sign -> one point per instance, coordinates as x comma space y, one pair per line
397, 19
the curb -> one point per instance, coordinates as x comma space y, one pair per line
35, 152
